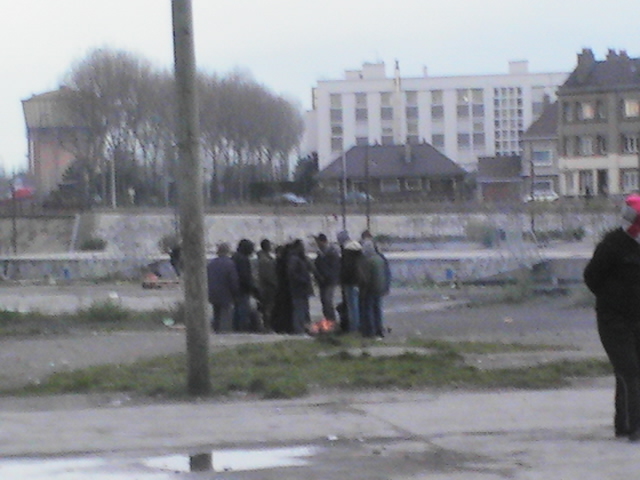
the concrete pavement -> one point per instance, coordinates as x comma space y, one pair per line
560, 434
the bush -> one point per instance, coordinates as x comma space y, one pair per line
93, 244
105, 312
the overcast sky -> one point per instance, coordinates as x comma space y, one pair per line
288, 45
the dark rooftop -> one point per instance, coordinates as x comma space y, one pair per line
392, 161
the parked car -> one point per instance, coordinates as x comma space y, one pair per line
287, 198
542, 196
355, 197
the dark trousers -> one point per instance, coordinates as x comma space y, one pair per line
222, 318
371, 315
300, 314
327, 293
242, 313
621, 341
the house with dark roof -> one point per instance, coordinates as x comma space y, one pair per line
599, 125
540, 172
499, 179
395, 173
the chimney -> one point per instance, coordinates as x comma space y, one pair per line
586, 61
611, 55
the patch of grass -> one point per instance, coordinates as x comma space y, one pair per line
293, 368
106, 311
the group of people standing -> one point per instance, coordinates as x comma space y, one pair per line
280, 281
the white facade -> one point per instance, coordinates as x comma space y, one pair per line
465, 117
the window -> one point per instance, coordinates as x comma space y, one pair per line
386, 113
387, 140
463, 96
463, 111
361, 99
477, 95
336, 130
601, 145
412, 128
412, 112
464, 140
585, 146
631, 107
585, 181
389, 185
569, 183
629, 144
412, 98
629, 180
436, 97
567, 112
437, 140
543, 186
478, 139
413, 139
362, 114
477, 110
413, 184
437, 112
385, 99
362, 141
585, 111
335, 100
336, 115
541, 158
336, 144
601, 110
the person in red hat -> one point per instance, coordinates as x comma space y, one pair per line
613, 276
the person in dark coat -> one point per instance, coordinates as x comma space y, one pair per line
223, 287
242, 316
327, 273
267, 282
374, 286
300, 286
281, 319
351, 277
613, 275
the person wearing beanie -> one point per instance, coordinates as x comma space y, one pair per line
613, 276
351, 277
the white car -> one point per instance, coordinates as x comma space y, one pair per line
542, 196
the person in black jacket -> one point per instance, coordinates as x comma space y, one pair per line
300, 286
327, 273
222, 280
613, 275
246, 286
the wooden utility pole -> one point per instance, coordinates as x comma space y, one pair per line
190, 202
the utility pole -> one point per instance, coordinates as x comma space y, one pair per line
190, 202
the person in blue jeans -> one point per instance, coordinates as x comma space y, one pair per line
375, 285
351, 277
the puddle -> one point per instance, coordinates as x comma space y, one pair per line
234, 460
153, 468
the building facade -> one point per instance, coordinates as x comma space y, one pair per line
48, 131
465, 117
540, 171
599, 126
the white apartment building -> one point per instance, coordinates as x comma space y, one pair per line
465, 117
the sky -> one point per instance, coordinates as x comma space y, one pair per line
289, 45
